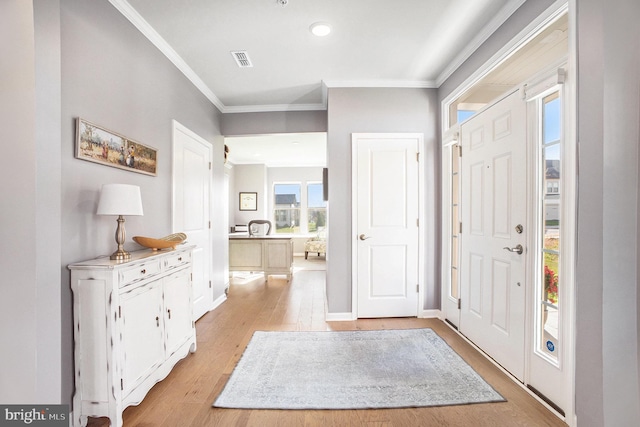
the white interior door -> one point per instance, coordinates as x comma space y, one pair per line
494, 216
386, 212
191, 208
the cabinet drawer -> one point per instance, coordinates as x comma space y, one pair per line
177, 260
139, 272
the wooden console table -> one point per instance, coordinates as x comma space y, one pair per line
269, 254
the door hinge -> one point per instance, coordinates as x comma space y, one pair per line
209, 225
417, 222
418, 288
210, 284
460, 228
191, 277
119, 312
459, 303
121, 384
417, 156
459, 150
209, 165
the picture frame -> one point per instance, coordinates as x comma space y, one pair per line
97, 144
248, 201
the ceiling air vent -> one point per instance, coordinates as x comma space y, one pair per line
242, 58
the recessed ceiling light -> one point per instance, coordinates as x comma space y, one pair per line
320, 29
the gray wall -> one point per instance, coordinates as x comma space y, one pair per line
249, 178
18, 229
377, 110
87, 61
607, 373
234, 124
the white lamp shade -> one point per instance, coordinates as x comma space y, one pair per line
120, 199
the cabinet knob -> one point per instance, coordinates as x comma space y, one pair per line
143, 271
180, 259
169, 312
157, 321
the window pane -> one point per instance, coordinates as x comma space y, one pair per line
550, 202
287, 208
317, 220
287, 220
314, 196
287, 195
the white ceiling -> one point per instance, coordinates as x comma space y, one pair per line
373, 43
279, 150
400, 43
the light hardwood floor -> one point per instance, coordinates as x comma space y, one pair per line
185, 397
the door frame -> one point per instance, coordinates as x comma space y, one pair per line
420, 311
178, 127
529, 32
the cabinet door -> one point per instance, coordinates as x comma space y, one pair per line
142, 337
177, 310
278, 254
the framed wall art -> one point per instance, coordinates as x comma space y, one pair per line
99, 145
248, 201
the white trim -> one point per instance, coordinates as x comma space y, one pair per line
430, 314
147, 30
179, 127
218, 301
416, 84
522, 38
421, 215
339, 317
499, 19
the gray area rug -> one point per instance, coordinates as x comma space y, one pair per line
352, 370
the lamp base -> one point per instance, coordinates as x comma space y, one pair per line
120, 255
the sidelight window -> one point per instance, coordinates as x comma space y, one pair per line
550, 202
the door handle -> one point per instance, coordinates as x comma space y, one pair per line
363, 237
518, 249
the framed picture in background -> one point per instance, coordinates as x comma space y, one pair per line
248, 201
99, 145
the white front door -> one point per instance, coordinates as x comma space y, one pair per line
386, 230
191, 208
494, 219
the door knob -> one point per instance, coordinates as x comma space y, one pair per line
363, 237
518, 249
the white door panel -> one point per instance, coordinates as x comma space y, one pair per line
493, 202
386, 228
191, 209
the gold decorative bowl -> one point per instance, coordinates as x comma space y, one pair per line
170, 241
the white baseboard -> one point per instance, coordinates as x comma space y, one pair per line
429, 314
218, 301
339, 317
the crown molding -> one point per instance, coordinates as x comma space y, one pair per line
495, 23
147, 30
420, 84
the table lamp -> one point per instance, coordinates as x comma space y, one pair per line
120, 199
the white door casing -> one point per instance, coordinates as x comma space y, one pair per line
192, 184
386, 211
494, 203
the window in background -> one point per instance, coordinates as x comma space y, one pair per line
316, 208
287, 208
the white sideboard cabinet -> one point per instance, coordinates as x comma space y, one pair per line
132, 323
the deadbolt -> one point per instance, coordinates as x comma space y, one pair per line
519, 228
